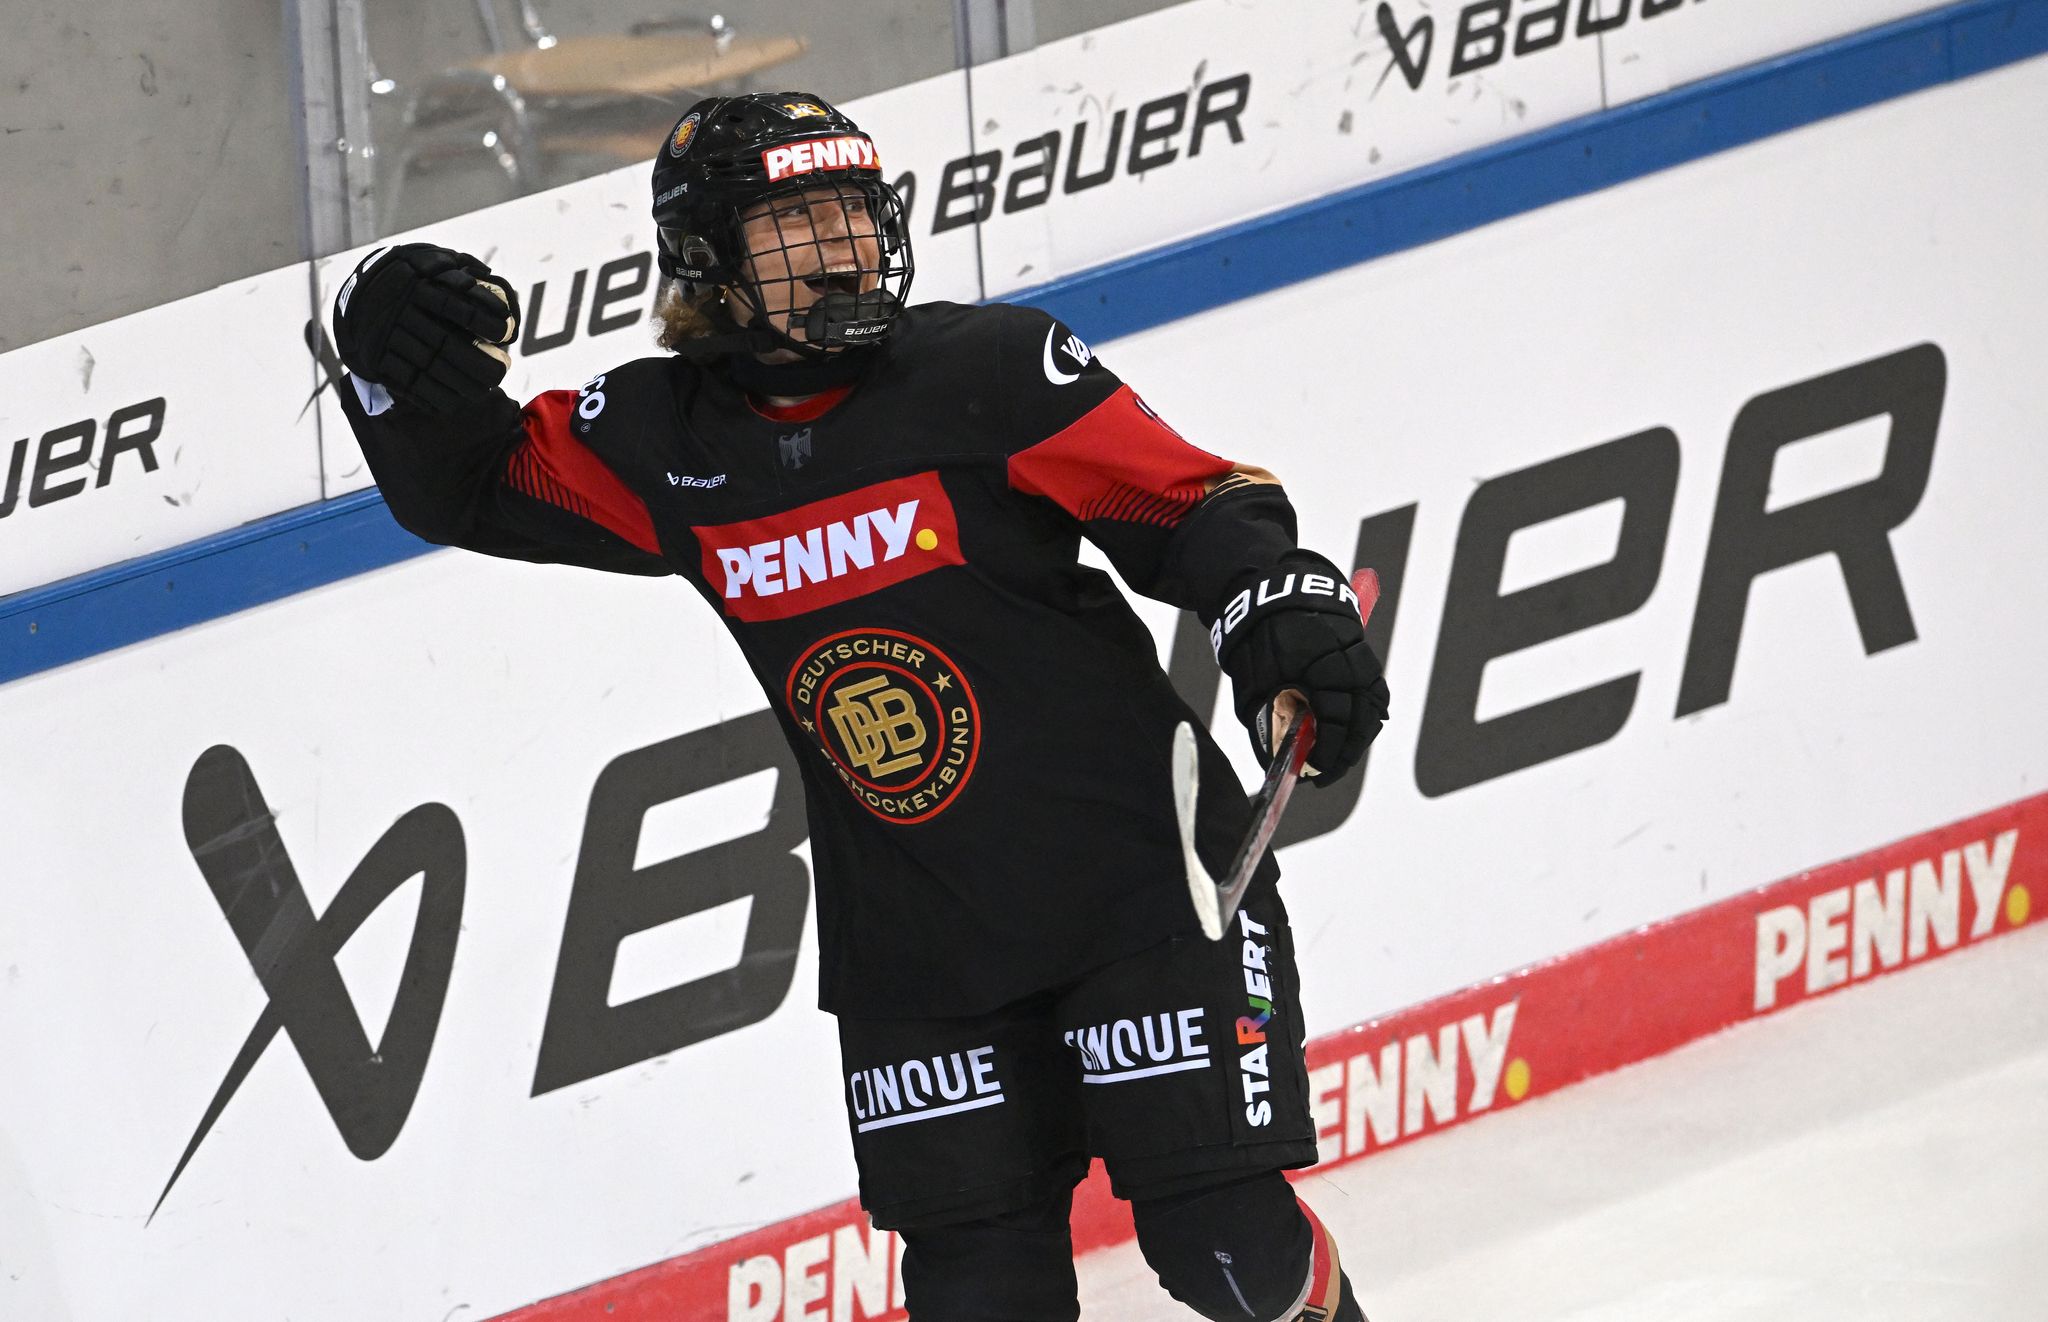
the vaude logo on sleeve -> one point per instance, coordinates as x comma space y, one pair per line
923, 1089
845, 153
832, 550
1072, 349
1169, 1042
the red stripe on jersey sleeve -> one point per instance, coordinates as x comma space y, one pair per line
1118, 461
555, 467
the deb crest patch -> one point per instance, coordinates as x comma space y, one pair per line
893, 715
679, 141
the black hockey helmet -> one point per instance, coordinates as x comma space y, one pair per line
728, 156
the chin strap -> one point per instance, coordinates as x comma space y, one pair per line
728, 337
735, 351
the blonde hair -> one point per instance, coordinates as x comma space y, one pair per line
684, 317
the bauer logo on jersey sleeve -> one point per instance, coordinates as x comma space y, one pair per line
894, 716
831, 551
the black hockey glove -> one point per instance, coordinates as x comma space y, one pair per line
426, 323
1297, 627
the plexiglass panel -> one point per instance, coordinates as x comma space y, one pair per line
149, 153
477, 101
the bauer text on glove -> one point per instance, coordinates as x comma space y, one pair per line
1296, 626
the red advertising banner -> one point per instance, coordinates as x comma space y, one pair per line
1439, 1064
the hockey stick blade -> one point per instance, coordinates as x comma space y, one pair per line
1215, 900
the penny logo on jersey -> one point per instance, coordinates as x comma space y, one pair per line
832, 550
895, 717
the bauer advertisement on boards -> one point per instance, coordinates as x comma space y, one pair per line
541, 822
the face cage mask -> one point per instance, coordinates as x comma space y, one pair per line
853, 302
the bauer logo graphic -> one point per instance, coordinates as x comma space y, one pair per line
1169, 1042
1487, 31
923, 1089
894, 715
832, 550
845, 153
42, 469
368, 1089
1271, 590
1049, 159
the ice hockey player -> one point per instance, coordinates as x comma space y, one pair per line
884, 505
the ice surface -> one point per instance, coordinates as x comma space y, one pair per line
1873, 1156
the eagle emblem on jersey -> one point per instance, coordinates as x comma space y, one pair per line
894, 716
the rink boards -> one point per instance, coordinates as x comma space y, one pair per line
1031, 168
1416, 1073
1704, 505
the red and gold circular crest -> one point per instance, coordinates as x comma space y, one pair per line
893, 715
679, 141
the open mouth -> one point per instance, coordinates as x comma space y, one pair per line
839, 280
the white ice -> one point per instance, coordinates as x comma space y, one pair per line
1873, 1156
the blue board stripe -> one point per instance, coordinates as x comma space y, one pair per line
1549, 165
320, 544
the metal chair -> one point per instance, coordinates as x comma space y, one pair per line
529, 112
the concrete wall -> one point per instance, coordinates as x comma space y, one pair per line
147, 154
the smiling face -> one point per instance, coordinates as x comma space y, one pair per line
801, 247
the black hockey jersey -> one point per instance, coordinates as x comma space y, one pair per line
981, 722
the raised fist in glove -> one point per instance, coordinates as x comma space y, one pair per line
426, 323
1296, 627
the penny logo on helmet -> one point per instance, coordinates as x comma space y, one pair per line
893, 715
846, 152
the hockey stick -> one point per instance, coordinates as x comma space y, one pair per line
1216, 900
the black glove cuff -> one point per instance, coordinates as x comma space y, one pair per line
1302, 581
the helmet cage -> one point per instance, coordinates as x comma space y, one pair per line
852, 304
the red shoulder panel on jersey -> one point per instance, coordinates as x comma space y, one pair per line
555, 467
1118, 461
